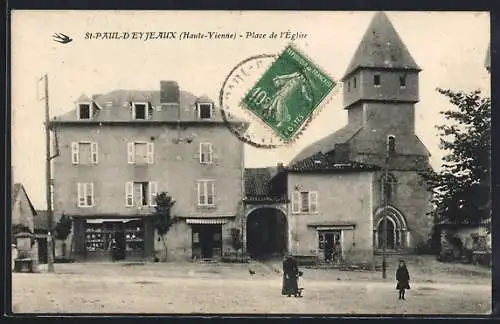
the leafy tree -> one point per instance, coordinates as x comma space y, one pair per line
63, 230
461, 189
162, 218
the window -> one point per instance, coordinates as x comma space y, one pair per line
205, 110
402, 81
84, 153
140, 153
84, 111
140, 111
376, 80
140, 194
85, 194
305, 202
354, 81
206, 193
206, 153
348, 86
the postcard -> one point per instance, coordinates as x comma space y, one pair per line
251, 162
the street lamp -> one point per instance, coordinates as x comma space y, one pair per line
390, 149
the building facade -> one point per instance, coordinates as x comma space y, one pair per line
119, 150
334, 189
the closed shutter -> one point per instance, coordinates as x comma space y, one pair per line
129, 194
295, 202
95, 153
313, 202
151, 152
130, 152
153, 191
75, 158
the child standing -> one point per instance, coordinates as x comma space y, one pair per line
300, 284
403, 279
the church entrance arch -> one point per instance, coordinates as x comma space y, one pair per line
397, 229
267, 231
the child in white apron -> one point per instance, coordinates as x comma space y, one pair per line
300, 283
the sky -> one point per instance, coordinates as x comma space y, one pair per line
450, 47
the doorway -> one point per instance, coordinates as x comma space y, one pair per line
266, 233
330, 244
206, 241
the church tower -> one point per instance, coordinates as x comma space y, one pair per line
381, 88
381, 82
380, 93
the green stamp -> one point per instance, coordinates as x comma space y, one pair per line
288, 93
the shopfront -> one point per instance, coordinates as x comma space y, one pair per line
116, 239
206, 238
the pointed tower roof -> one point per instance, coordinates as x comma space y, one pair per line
381, 47
487, 62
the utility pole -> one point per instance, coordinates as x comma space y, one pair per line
48, 179
390, 148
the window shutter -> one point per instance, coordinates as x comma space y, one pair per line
130, 152
199, 192
79, 194
91, 193
95, 153
129, 194
151, 152
75, 158
200, 153
153, 191
210, 153
212, 191
313, 201
295, 202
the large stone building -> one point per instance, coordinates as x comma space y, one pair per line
118, 150
333, 190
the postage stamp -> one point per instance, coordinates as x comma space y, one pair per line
288, 93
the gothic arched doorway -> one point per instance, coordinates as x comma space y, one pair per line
266, 233
397, 229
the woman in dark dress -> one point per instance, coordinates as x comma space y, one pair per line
290, 273
403, 278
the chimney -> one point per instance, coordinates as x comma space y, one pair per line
169, 93
280, 166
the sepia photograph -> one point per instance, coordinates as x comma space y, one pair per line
250, 162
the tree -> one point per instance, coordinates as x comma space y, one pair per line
461, 189
162, 218
63, 230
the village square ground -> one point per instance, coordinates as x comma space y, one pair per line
437, 288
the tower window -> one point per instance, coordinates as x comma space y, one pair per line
354, 83
402, 81
376, 80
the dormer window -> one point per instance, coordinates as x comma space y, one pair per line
205, 110
140, 111
402, 81
376, 80
84, 110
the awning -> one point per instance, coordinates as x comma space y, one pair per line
105, 220
333, 226
206, 221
